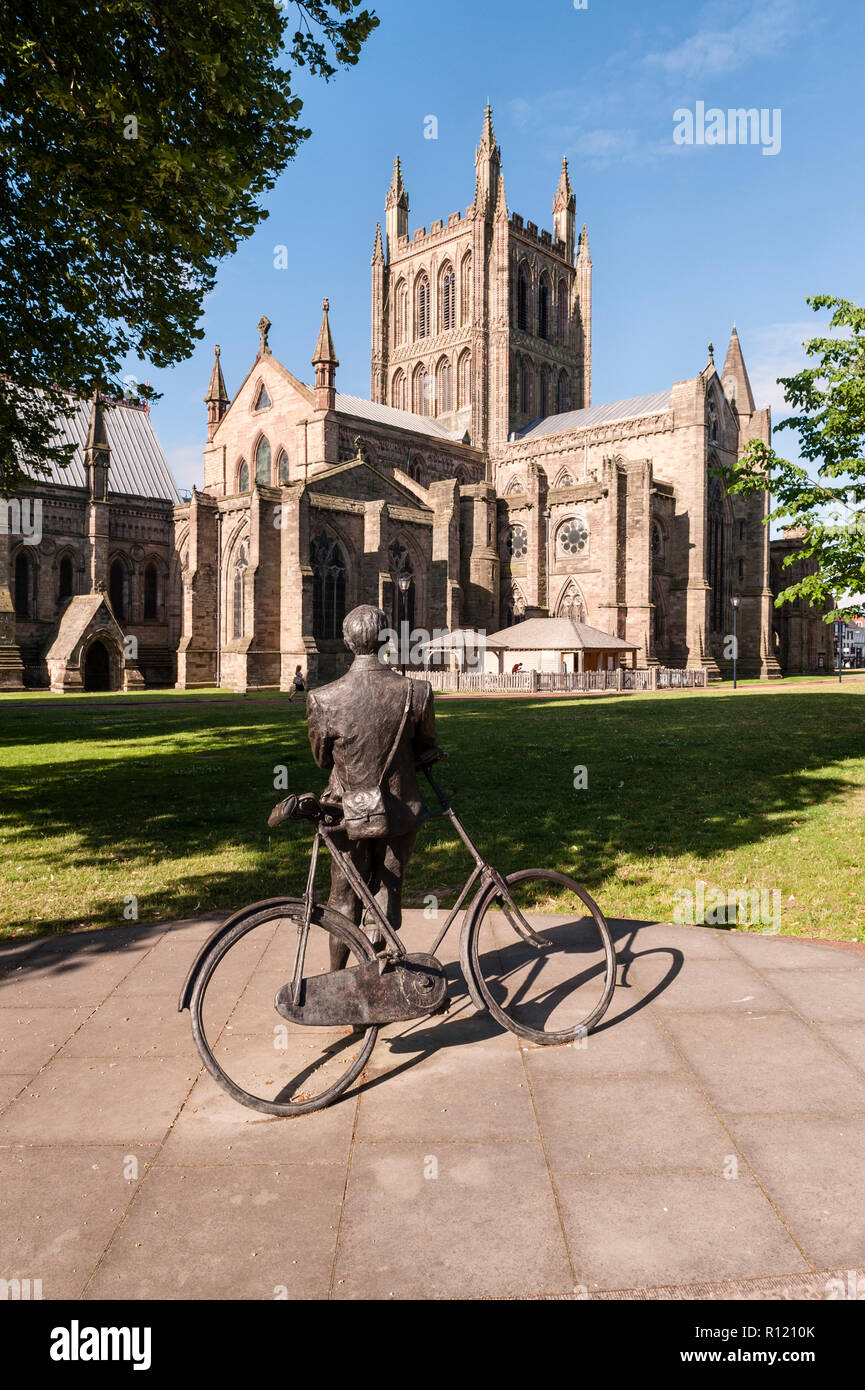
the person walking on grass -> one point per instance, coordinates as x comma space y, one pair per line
298, 684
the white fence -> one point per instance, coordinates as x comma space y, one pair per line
622, 678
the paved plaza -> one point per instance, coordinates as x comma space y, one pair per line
708, 1140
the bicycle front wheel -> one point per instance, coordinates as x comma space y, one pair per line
254, 1054
556, 987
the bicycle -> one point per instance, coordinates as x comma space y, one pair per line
333, 1012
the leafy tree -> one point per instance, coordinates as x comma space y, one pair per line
136, 140
829, 508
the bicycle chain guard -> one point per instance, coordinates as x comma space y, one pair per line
411, 987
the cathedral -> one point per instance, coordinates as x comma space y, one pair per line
479, 484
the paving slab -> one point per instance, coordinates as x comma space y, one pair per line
463, 1162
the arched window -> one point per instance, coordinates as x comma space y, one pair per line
565, 479
717, 557
563, 311
243, 476
571, 604
572, 538
657, 541
66, 578
423, 308
445, 387
517, 542
403, 603
448, 300
523, 299
151, 592
398, 392
466, 288
262, 400
544, 309
527, 381
22, 585
563, 393
282, 468
262, 462
416, 468
658, 624
117, 590
422, 392
465, 380
544, 403
713, 422
241, 565
515, 485
329, 577
401, 319
515, 606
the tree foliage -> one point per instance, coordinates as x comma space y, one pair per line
136, 140
826, 504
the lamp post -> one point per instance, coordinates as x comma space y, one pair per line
839, 628
735, 601
404, 584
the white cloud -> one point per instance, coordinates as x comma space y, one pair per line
759, 33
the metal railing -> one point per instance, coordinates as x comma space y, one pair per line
623, 678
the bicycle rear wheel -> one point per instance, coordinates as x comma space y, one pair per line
259, 1058
552, 990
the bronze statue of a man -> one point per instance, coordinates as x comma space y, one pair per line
370, 727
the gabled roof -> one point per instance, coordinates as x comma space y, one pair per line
76, 619
630, 409
378, 414
329, 482
139, 467
556, 635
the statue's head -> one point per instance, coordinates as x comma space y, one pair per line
363, 629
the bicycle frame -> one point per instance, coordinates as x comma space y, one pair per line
483, 875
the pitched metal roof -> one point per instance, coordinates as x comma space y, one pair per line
139, 467
629, 409
388, 415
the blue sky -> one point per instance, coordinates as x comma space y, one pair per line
684, 239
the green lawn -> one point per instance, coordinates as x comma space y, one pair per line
167, 802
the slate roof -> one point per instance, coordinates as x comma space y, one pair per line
389, 415
139, 467
556, 635
629, 409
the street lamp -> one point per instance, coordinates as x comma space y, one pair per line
839, 628
735, 601
404, 583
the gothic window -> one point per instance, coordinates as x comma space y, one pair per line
423, 308
657, 541
22, 585
398, 392
262, 400
262, 462
658, 626
329, 578
117, 590
151, 592
523, 299
515, 485
416, 468
403, 603
573, 537
243, 476
527, 381
517, 542
241, 565
282, 470
445, 387
466, 288
465, 380
401, 321
515, 606
716, 559
571, 605
448, 307
563, 393
713, 422
544, 309
422, 392
66, 585
563, 311
544, 403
